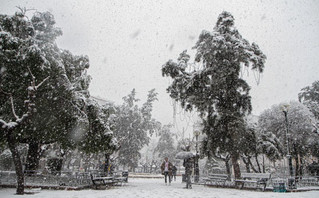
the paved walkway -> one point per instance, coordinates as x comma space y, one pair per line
156, 188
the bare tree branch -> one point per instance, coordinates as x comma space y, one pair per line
19, 120
12, 108
36, 87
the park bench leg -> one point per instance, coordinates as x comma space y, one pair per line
264, 187
224, 183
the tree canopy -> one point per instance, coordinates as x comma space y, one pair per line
165, 146
273, 124
132, 127
29, 56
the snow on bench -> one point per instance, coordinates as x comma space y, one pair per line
102, 181
118, 177
254, 178
216, 179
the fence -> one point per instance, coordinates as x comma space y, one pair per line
64, 178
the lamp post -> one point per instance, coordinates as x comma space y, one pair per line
196, 167
291, 180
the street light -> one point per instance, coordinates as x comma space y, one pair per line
291, 180
196, 167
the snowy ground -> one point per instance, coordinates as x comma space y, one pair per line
156, 188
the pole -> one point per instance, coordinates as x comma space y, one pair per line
196, 161
291, 180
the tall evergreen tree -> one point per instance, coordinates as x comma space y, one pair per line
216, 89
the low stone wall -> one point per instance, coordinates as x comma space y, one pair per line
72, 179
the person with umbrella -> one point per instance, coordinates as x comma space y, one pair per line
166, 168
188, 163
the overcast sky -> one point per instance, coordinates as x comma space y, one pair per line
129, 41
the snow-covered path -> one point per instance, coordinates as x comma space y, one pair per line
155, 188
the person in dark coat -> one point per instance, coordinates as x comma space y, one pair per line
174, 171
188, 164
166, 168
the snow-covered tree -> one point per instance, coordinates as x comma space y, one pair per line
28, 57
65, 99
274, 132
309, 96
165, 146
216, 88
132, 127
60, 104
269, 144
20, 62
98, 137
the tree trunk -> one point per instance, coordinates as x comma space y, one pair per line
264, 164
301, 166
246, 164
33, 157
234, 160
227, 167
17, 162
258, 165
252, 166
107, 164
298, 166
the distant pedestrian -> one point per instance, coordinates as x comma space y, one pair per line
188, 164
174, 170
166, 168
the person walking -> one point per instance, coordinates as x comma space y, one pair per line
174, 170
188, 164
166, 168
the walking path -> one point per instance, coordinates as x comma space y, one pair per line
156, 188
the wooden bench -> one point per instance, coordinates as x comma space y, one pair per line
120, 179
216, 179
308, 181
120, 176
260, 179
102, 181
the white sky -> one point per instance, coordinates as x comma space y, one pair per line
128, 41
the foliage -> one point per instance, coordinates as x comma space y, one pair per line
28, 48
165, 146
274, 130
98, 136
30, 56
259, 143
132, 127
309, 96
6, 161
270, 145
63, 112
18, 48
